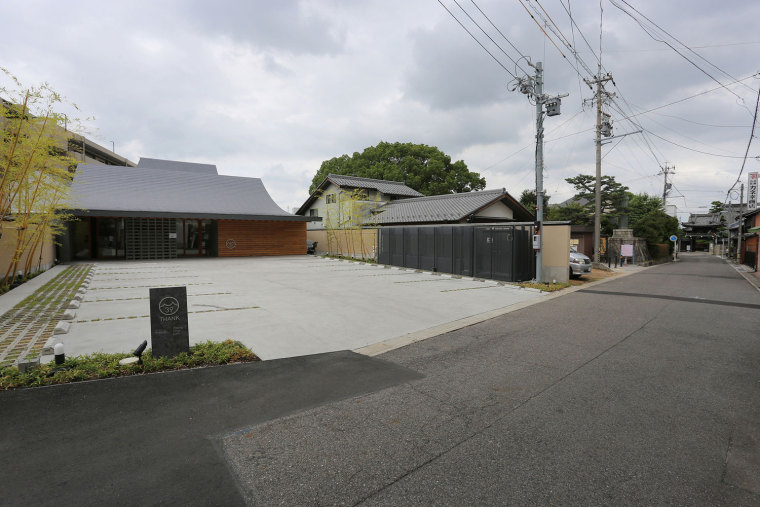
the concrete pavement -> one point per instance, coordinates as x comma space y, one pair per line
281, 306
585, 399
642, 390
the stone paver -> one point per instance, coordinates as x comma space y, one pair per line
28, 325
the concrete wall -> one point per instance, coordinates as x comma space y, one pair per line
555, 261
356, 243
8, 246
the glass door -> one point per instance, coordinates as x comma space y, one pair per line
110, 238
189, 234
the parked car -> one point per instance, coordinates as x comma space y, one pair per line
311, 246
580, 264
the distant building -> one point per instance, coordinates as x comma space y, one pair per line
701, 229
342, 202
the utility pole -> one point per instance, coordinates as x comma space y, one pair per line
534, 88
539, 90
599, 80
666, 187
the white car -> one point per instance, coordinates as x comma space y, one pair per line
580, 264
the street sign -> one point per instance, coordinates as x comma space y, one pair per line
168, 321
674, 238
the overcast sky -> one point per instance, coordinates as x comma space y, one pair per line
270, 89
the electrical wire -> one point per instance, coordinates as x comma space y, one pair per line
500, 33
648, 32
679, 42
694, 149
749, 143
476, 40
489, 37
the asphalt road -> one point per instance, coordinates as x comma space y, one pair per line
588, 399
642, 390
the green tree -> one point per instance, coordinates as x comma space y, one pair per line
423, 168
716, 207
613, 197
656, 227
573, 212
641, 205
36, 170
528, 199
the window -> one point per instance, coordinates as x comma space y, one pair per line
313, 212
330, 198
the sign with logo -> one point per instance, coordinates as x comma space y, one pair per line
169, 334
752, 191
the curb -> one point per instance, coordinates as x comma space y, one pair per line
384, 346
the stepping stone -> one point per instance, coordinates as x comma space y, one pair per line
62, 327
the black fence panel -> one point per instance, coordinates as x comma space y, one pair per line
463, 250
524, 256
483, 246
426, 248
444, 249
384, 246
502, 254
397, 247
411, 247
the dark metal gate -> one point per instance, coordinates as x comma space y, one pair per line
498, 252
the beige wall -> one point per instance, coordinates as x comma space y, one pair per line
497, 210
8, 245
361, 244
555, 261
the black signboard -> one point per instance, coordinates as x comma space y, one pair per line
168, 321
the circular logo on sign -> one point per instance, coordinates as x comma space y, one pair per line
168, 305
230, 243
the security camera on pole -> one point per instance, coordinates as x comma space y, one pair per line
534, 89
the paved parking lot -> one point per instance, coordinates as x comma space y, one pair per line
282, 306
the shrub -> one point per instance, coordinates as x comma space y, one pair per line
99, 365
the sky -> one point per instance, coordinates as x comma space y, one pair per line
270, 89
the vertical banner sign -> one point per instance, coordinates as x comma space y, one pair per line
168, 321
752, 191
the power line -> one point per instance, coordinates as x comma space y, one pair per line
648, 32
476, 40
751, 136
500, 33
681, 43
689, 97
696, 150
489, 37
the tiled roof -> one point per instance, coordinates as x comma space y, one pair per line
441, 208
384, 186
152, 192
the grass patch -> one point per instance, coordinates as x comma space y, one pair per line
546, 287
347, 258
98, 366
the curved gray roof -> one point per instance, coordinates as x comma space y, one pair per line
384, 186
151, 192
173, 165
445, 208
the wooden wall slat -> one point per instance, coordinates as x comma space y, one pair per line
261, 237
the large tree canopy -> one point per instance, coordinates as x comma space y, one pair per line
423, 168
